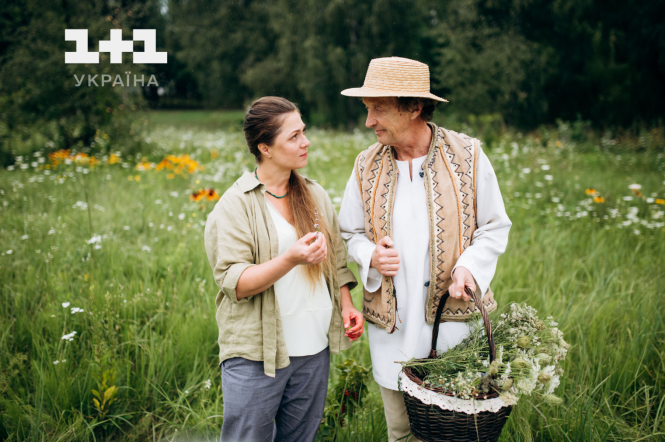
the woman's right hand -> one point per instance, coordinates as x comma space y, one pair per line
302, 254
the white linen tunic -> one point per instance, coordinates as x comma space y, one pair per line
412, 336
306, 312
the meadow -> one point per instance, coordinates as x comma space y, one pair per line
108, 329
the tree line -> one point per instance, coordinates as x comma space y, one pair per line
530, 61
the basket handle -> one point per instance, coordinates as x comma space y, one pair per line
483, 312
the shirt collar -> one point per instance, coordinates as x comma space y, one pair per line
248, 182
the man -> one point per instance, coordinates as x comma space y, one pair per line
440, 227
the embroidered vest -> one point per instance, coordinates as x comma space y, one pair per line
450, 183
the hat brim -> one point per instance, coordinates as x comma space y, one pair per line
371, 92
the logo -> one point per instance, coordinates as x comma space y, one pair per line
116, 46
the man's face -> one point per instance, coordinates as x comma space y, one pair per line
388, 122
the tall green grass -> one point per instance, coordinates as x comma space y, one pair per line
148, 295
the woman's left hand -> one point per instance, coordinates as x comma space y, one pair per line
354, 322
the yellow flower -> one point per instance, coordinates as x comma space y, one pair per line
137, 178
660, 201
599, 199
591, 191
113, 159
558, 143
144, 165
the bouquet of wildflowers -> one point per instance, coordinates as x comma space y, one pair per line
529, 354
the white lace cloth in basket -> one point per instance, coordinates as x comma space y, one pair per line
450, 403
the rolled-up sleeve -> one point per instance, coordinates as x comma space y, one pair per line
490, 239
229, 244
344, 275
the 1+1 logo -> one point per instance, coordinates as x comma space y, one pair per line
116, 46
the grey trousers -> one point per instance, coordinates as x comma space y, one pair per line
288, 407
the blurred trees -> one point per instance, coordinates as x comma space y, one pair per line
40, 105
532, 61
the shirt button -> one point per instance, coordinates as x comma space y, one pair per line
422, 174
427, 284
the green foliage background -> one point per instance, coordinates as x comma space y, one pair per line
529, 62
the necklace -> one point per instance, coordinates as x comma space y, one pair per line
257, 178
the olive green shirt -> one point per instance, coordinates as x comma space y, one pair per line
240, 233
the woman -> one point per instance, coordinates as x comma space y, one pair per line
285, 299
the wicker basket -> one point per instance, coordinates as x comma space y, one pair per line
432, 423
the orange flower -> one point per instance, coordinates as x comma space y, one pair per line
179, 164
591, 191
114, 159
209, 194
144, 165
599, 199
196, 196
212, 195
58, 157
660, 201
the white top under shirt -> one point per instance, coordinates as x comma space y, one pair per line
306, 312
412, 336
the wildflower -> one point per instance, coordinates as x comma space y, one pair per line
660, 201
544, 378
544, 358
65, 304
523, 342
552, 400
24, 237
69, 337
508, 398
179, 164
114, 159
627, 198
144, 165
599, 199
507, 384
545, 167
634, 187
526, 170
207, 384
591, 191
56, 362
127, 227
9, 252
95, 239
316, 224
146, 249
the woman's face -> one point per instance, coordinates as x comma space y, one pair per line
289, 150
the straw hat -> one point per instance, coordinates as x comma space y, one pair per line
395, 77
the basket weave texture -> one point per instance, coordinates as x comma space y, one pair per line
430, 423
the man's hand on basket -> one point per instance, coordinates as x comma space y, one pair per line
461, 278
